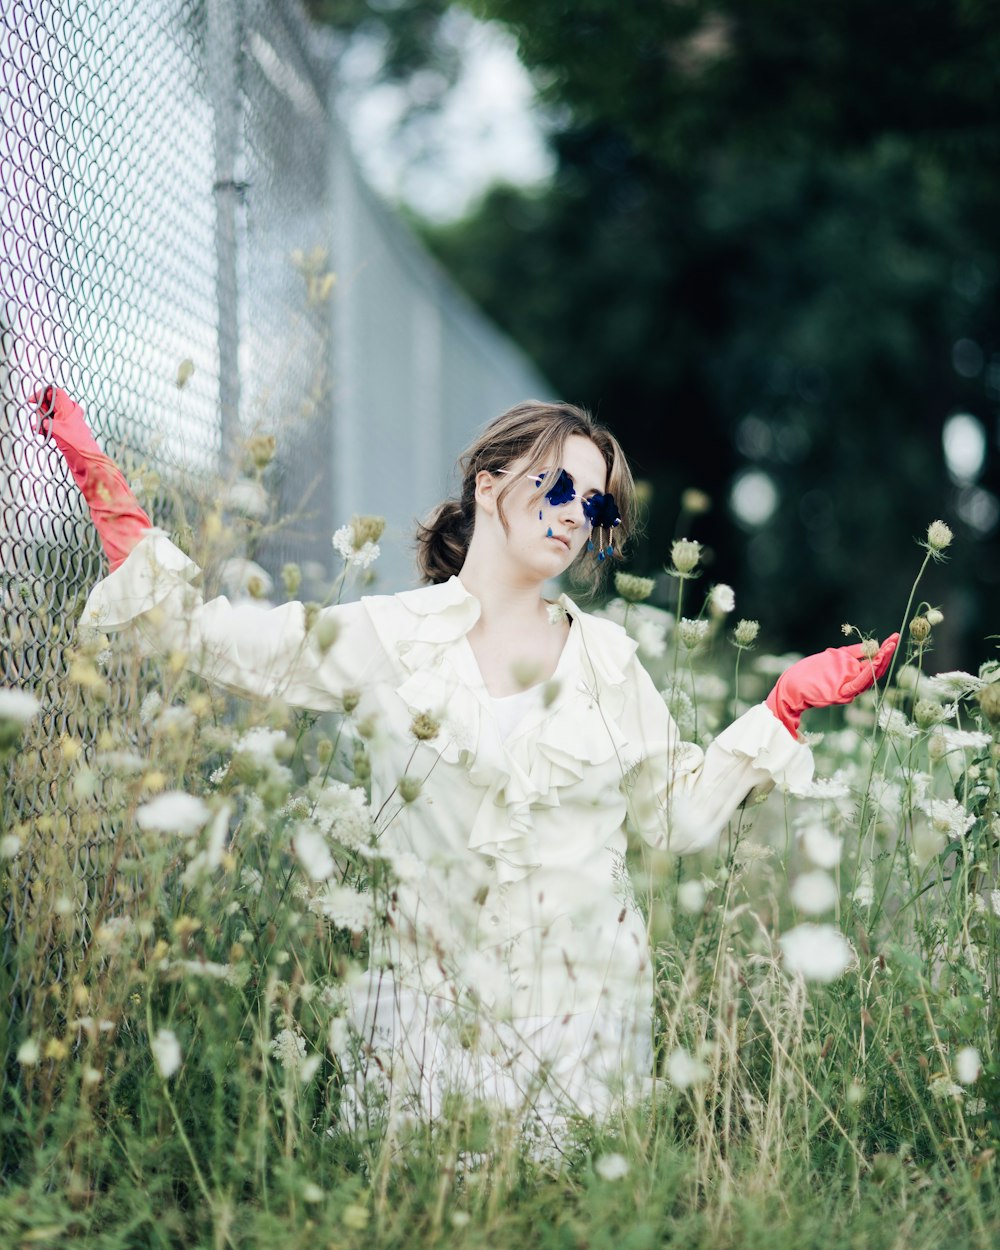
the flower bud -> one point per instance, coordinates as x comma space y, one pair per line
745, 633
261, 449
424, 727
366, 529
633, 589
989, 702
934, 616
362, 764
409, 788
722, 600
927, 713
325, 633
939, 536
685, 554
350, 700
869, 648
920, 628
324, 751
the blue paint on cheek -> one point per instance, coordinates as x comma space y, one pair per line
549, 534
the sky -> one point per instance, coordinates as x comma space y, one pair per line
438, 163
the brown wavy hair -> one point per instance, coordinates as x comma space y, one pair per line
537, 431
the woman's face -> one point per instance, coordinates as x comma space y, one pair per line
548, 544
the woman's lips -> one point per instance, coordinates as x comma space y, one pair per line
560, 539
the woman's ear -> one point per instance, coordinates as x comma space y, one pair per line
487, 487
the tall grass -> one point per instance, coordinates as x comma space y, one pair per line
175, 1048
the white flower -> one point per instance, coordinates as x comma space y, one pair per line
247, 497
261, 745
173, 812
968, 1065
683, 1070
748, 852
942, 1086
775, 665
651, 639
10, 845
18, 706
340, 1035
820, 952
821, 846
814, 892
963, 739
28, 1053
406, 866
360, 558
948, 816
995, 901
691, 897
149, 709
175, 721
311, 1192
124, 763
895, 723
692, 632
209, 858
710, 687
611, 1167
242, 578
721, 601
342, 813
343, 907
289, 1048
166, 1052
864, 892
835, 787
954, 684
681, 708
556, 613
313, 853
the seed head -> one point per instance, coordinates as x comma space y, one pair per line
291, 575
261, 449
633, 589
927, 713
350, 700
745, 633
920, 628
424, 727
325, 632
685, 555
989, 701
869, 648
366, 529
939, 536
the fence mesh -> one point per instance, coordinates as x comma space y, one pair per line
186, 247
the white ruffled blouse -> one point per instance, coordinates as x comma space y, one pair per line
525, 904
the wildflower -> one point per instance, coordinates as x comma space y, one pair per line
17, 706
149, 708
934, 615
248, 498
424, 727
355, 1216
173, 812
261, 449
864, 892
185, 372
995, 901
311, 1192
289, 1048
942, 1086
313, 853
633, 589
291, 577
262, 746
722, 600
10, 845
968, 1065
683, 1070
835, 787
611, 1167
927, 713
340, 1035
344, 907
692, 633
748, 852
357, 542
556, 613
745, 633
684, 554
28, 1053
948, 816
166, 1052
939, 537
895, 723
406, 866
964, 739
325, 631
847, 629
820, 952
691, 897
342, 813
814, 893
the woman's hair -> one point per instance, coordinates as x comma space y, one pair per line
535, 431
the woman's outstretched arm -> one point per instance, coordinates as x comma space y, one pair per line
308, 659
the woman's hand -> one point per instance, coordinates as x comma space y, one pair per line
836, 675
116, 514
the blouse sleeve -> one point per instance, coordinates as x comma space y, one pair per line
249, 648
681, 796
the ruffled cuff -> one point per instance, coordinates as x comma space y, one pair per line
762, 739
152, 571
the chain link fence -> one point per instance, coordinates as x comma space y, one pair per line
186, 247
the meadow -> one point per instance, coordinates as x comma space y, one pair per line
191, 883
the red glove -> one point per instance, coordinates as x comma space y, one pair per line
115, 511
836, 675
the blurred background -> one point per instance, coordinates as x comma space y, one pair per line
759, 239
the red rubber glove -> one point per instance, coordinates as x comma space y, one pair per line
836, 675
119, 520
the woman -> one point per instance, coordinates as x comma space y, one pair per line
515, 966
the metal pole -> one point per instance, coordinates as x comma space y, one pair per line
225, 30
